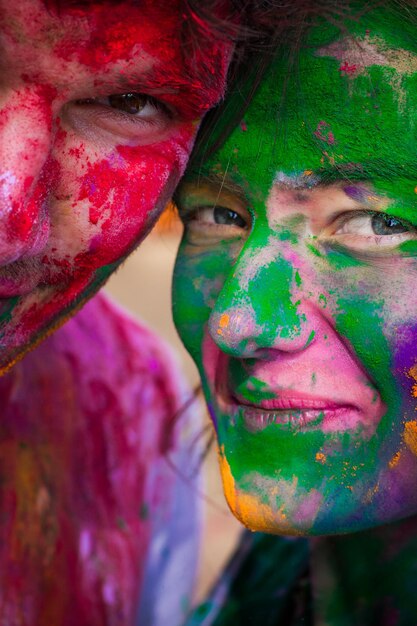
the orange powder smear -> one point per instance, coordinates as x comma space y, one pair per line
412, 372
320, 457
248, 509
223, 323
395, 460
410, 436
371, 494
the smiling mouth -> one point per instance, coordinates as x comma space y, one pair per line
339, 419
296, 413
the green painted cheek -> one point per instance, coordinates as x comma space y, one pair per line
360, 321
193, 296
199, 279
340, 258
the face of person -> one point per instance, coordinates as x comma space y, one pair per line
98, 110
300, 298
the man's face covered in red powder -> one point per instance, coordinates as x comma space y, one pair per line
99, 106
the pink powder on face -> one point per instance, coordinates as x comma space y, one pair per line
324, 133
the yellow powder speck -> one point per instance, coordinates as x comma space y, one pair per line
395, 460
415, 189
412, 372
371, 493
410, 436
320, 457
223, 323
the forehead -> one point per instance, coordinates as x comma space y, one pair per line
102, 39
118, 26
345, 108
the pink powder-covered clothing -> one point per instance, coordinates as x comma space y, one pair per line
96, 527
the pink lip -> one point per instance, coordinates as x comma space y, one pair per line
286, 397
293, 400
296, 411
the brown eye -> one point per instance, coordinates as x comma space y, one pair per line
132, 103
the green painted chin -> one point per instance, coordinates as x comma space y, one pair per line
287, 482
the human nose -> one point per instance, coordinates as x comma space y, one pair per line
263, 307
25, 146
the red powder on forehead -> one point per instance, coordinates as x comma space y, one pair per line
112, 32
149, 41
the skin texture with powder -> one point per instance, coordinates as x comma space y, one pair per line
299, 309
99, 111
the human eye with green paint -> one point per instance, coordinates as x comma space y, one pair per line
295, 291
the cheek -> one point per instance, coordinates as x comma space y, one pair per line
198, 280
108, 204
121, 199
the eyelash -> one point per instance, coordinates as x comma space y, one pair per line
134, 117
331, 233
368, 213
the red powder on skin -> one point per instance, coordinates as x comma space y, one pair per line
196, 73
28, 215
114, 31
120, 195
347, 69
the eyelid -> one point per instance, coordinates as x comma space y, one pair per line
207, 193
189, 209
341, 219
98, 102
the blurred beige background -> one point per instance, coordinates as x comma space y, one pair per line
143, 286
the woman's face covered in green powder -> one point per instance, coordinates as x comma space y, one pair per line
296, 285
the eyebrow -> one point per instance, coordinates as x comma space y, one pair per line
220, 182
367, 171
138, 82
349, 173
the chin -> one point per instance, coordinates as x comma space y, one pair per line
284, 508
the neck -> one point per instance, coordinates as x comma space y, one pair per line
366, 578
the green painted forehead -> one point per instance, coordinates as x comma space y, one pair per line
346, 107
